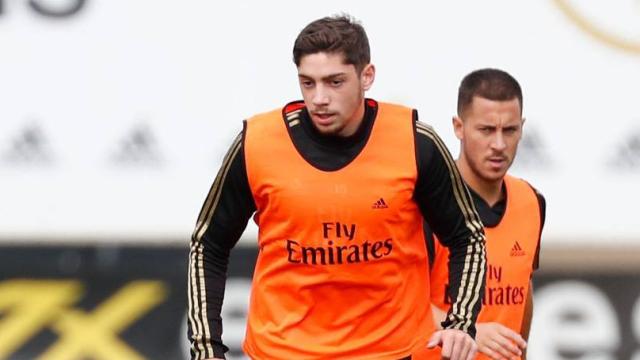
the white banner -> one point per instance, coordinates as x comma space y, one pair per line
116, 114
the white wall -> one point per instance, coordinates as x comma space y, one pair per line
185, 73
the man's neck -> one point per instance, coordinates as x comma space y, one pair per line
362, 131
489, 191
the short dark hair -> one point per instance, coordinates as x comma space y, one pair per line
492, 84
334, 34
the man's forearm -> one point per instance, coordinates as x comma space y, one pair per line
467, 267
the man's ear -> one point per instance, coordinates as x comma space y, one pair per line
368, 75
458, 127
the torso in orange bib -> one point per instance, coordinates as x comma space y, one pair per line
511, 249
342, 271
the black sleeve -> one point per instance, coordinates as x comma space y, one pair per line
447, 206
430, 243
222, 220
542, 203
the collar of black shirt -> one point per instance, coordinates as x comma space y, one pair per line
370, 111
490, 215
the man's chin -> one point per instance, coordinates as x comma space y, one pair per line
329, 130
494, 176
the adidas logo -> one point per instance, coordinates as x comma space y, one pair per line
532, 152
516, 250
380, 204
627, 155
29, 147
138, 148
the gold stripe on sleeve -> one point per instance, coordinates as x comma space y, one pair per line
198, 303
470, 284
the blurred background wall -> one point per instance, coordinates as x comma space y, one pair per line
115, 116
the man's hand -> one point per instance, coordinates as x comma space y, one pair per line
456, 344
498, 341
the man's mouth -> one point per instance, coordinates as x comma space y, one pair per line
497, 161
323, 118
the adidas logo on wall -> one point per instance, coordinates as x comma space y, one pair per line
137, 148
517, 250
380, 204
29, 146
627, 153
532, 151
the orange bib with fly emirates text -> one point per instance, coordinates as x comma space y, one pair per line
342, 271
512, 246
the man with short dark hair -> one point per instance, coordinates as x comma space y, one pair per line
339, 185
489, 127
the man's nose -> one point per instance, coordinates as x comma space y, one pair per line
320, 96
498, 142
